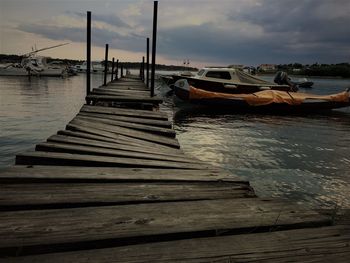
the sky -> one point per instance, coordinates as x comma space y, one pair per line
206, 32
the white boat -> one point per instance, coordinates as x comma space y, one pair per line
33, 65
96, 67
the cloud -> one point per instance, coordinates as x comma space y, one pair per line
109, 19
99, 36
226, 32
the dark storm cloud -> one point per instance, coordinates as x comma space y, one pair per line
99, 36
109, 19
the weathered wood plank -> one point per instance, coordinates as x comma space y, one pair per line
121, 91
123, 139
158, 123
96, 98
93, 150
67, 159
125, 112
20, 174
27, 196
326, 244
127, 132
131, 222
136, 126
114, 146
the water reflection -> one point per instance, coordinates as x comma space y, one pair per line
304, 158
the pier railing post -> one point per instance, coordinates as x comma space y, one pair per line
88, 53
112, 69
154, 43
143, 69
106, 66
116, 71
147, 64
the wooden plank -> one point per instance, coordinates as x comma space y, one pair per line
115, 146
92, 150
125, 112
89, 136
151, 122
67, 159
126, 223
140, 99
112, 135
136, 126
325, 244
121, 91
76, 141
51, 195
127, 132
20, 174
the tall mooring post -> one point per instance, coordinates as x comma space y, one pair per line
112, 69
117, 69
143, 69
121, 70
88, 53
154, 42
147, 64
106, 66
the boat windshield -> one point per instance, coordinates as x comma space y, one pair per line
200, 73
218, 74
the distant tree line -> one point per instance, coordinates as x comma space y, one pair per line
322, 70
130, 65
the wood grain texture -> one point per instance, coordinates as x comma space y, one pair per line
326, 244
68, 159
58, 226
125, 112
22, 174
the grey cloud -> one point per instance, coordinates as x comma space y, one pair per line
109, 19
99, 36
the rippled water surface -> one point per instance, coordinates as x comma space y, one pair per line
303, 158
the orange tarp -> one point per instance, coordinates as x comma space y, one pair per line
266, 97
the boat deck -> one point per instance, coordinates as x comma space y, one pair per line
114, 186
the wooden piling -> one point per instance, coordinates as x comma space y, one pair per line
106, 66
112, 69
154, 43
88, 53
117, 69
147, 64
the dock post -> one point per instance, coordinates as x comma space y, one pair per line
154, 42
88, 54
121, 70
143, 69
117, 69
112, 69
106, 66
147, 64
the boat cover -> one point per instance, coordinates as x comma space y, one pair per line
267, 97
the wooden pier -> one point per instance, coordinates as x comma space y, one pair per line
114, 186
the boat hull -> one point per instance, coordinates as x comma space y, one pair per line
216, 86
275, 103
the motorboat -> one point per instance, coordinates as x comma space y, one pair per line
34, 65
230, 80
282, 77
96, 67
304, 83
271, 100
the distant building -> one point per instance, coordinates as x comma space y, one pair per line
267, 67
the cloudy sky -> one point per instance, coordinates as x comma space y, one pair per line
207, 32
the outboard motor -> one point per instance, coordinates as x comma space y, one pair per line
282, 78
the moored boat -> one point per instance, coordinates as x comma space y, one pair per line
230, 80
276, 100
